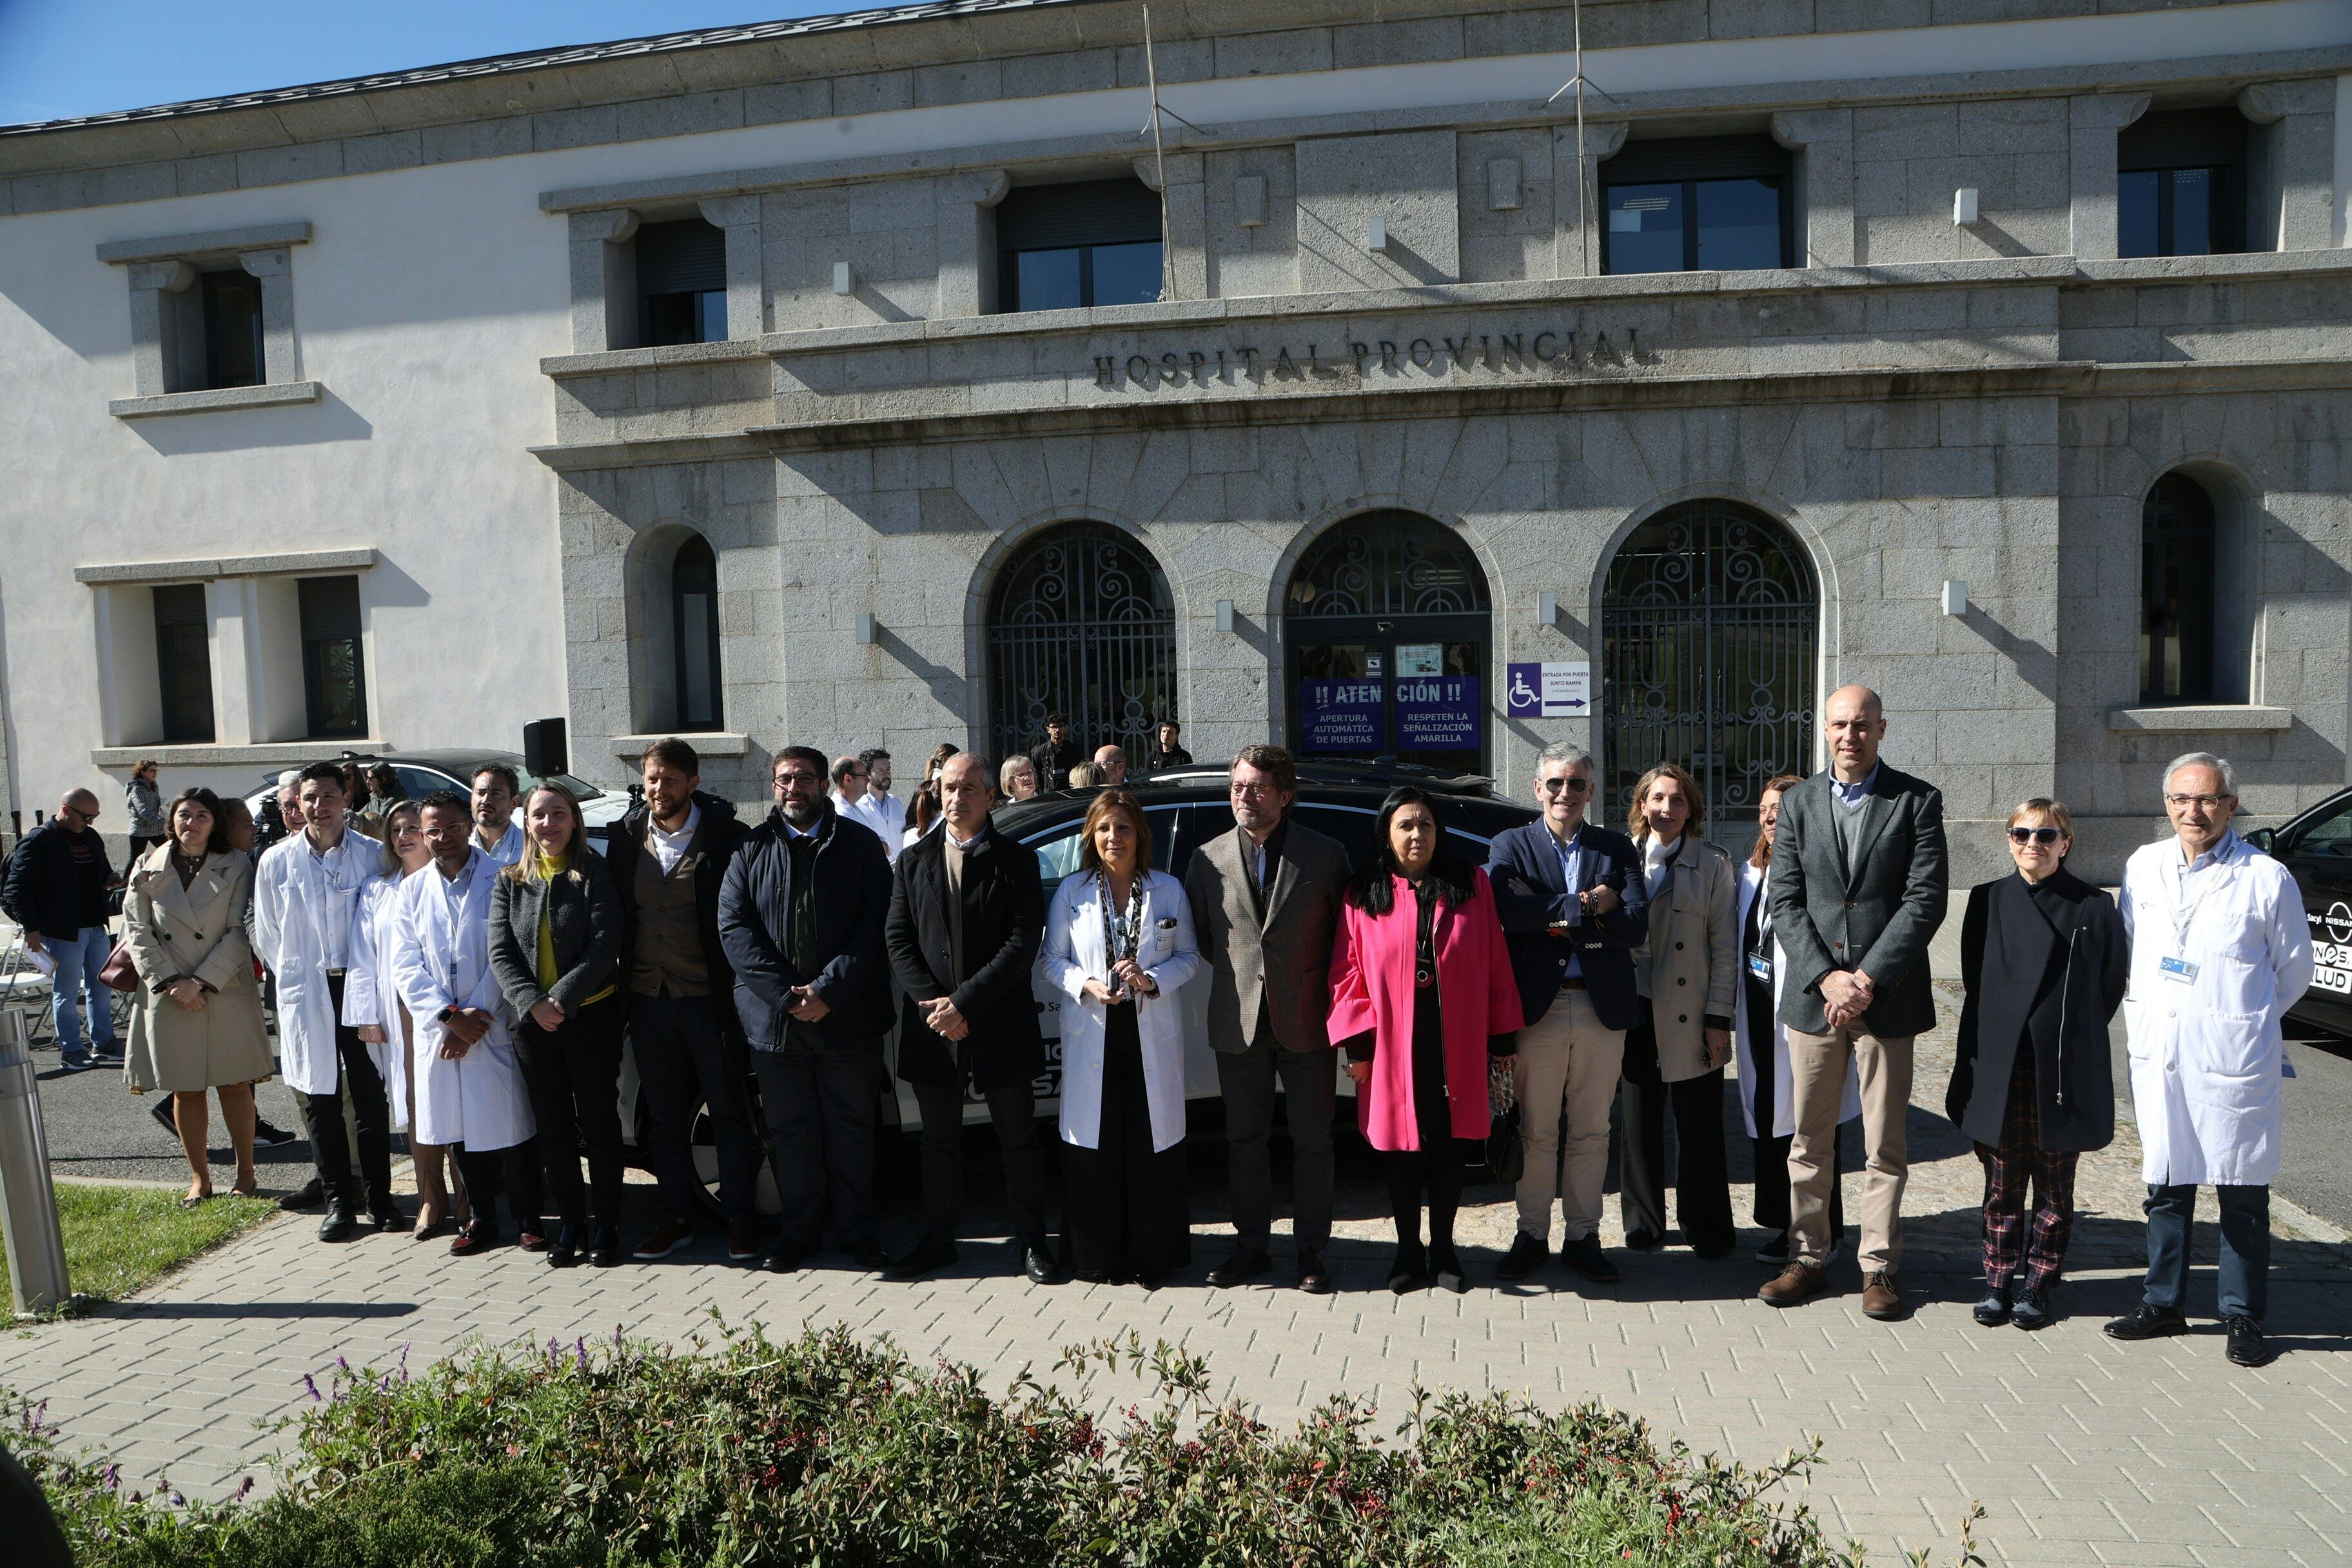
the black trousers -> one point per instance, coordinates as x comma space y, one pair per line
1702, 1176
820, 1097
1438, 1166
683, 1056
1124, 1210
575, 1079
513, 1170
370, 1126
1246, 1080
1774, 1192
1013, 1113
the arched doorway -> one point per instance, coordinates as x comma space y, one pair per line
1709, 631
1387, 635
1081, 623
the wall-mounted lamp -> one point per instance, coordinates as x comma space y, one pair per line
844, 280
1964, 206
868, 634
1547, 609
1225, 615
1956, 598
1376, 233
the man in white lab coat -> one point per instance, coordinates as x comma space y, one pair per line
2220, 951
469, 1087
303, 891
496, 832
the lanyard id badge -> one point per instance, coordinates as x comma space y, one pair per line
1759, 966
2180, 971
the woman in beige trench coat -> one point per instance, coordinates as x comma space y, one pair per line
197, 1021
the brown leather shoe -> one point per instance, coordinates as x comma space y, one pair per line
742, 1241
1797, 1283
1880, 1299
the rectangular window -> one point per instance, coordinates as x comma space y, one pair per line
1720, 203
232, 327
1096, 242
183, 663
681, 283
2179, 185
334, 678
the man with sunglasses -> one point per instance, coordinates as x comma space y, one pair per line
2220, 949
57, 885
1574, 905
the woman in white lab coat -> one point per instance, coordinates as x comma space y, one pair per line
371, 1005
1767, 1095
470, 1087
1119, 944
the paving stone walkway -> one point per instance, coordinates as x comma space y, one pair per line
2082, 1450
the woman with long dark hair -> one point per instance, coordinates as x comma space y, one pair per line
1421, 997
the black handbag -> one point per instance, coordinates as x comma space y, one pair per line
1505, 1156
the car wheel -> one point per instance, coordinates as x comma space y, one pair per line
703, 1146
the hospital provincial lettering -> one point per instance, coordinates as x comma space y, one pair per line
1520, 353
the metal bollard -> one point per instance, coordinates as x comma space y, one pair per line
28, 1204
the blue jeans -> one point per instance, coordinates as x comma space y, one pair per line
79, 961
2245, 1248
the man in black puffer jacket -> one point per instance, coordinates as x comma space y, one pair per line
668, 858
801, 915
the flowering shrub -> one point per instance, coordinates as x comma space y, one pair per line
827, 1449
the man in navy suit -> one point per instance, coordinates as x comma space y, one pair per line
1574, 906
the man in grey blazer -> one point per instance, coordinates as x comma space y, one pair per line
1859, 882
1266, 905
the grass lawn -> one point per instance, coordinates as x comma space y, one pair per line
118, 1238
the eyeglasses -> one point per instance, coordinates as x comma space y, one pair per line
2033, 835
1572, 783
1252, 791
2183, 801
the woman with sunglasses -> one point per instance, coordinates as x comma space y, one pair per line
2044, 959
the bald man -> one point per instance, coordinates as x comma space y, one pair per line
1858, 887
1111, 765
57, 890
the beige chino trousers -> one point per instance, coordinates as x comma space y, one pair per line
1817, 1066
1568, 1060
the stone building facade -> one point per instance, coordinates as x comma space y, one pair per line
1401, 432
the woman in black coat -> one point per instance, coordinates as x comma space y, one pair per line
555, 946
2044, 958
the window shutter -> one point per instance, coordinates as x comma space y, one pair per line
684, 258
330, 608
1091, 212
1696, 158
2186, 139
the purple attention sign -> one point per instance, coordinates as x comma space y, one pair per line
1437, 712
1340, 716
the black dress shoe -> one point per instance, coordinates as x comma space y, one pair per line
1708, 1251
1993, 1311
309, 1195
2246, 1345
1410, 1270
1643, 1241
1313, 1278
1526, 1252
1038, 1264
922, 1258
1240, 1267
270, 1137
2033, 1311
341, 1224
1776, 1250
605, 1251
1446, 1265
786, 1256
563, 1247
2146, 1323
1586, 1258
869, 1257
388, 1219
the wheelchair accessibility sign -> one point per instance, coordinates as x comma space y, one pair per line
1547, 690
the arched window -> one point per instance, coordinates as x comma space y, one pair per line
1386, 639
694, 623
1708, 627
2177, 570
1081, 623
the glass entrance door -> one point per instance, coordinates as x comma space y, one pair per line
1411, 688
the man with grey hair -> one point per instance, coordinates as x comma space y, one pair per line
2220, 950
1574, 905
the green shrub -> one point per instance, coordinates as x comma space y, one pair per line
825, 1449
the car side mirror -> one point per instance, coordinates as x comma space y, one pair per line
2263, 838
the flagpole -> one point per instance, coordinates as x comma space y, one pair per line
1160, 160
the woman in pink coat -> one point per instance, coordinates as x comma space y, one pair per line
1421, 997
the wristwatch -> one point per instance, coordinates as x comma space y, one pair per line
445, 1014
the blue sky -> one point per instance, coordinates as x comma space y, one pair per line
65, 58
